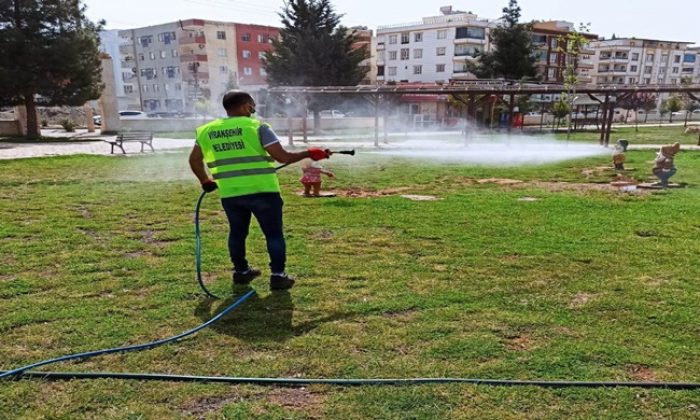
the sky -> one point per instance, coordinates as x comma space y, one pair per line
674, 21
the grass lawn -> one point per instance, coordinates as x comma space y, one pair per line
579, 284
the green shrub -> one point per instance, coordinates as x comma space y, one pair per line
68, 125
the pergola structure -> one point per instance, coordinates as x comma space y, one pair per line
471, 93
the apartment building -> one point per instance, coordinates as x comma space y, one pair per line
169, 67
252, 43
110, 43
632, 61
436, 49
549, 42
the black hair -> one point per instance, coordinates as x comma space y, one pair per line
233, 99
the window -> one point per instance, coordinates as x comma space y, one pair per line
246, 54
647, 69
128, 89
440, 51
439, 68
674, 81
635, 56
689, 58
418, 53
466, 50
392, 55
417, 69
381, 55
647, 81
178, 87
380, 70
631, 81
664, 58
405, 37
166, 37
634, 69
222, 52
247, 71
262, 39
261, 55
223, 69
245, 37
141, 57
676, 58
405, 53
662, 70
174, 53
263, 72
392, 39
145, 41
650, 58
441, 34
418, 37
170, 72
145, 88
152, 55
538, 39
156, 87
163, 54
675, 70
391, 71
469, 32
220, 35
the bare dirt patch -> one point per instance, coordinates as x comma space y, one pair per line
580, 300
363, 193
641, 373
297, 399
200, 407
519, 343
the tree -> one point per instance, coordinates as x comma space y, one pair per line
561, 108
673, 104
314, 49
571, 46
49, 51
647, 102
640, 100
512, 57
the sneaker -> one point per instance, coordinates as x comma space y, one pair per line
281, 282
245, 277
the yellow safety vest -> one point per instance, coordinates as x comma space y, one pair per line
237, 161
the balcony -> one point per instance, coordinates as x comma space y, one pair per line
469, 40
199, 39
202, 76
126, 49
186, 58
380, 46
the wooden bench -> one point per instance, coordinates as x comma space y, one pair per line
143, 137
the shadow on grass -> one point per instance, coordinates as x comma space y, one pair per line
260, 319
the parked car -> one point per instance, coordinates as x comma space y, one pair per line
97, 119
331, 113
132, 115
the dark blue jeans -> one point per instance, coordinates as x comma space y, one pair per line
267, 209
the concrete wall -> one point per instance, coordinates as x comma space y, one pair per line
10, 128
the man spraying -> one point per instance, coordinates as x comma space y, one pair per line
240, 152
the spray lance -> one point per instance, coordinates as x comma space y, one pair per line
197, 231
330, 152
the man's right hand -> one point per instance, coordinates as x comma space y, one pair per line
319, 154
209, 186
